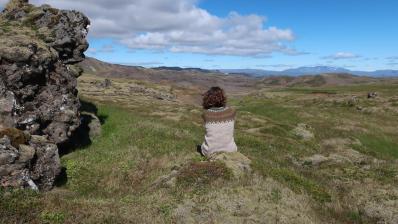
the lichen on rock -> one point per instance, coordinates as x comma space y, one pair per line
38, 49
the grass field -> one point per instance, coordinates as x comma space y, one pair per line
110, 181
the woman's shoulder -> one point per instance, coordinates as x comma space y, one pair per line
220, 110
219, 114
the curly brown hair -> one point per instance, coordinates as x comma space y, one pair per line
214, 97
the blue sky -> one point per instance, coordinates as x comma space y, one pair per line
258, 34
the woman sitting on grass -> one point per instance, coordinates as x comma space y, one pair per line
219, 123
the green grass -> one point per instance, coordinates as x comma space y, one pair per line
379, 146
268, 109
6, 27
126, 137
19, 206
52, 218
109, 181
306, 90
386, 89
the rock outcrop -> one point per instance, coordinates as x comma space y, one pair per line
238, 163
304, 132
38, 49
220, 164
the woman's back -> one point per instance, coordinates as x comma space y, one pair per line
219, 125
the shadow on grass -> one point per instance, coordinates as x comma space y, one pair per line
80, 138
62, 178
92, 108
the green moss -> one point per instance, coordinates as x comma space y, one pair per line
197, 176
52, 217
5, 26
17, 137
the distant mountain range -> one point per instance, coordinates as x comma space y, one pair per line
314, 76
183, 69
240, 82
310, 71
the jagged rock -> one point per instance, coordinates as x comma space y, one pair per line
372, 95
47, 167
160, 95
353, 101
39, 105
238, 163
26, 153
338, 151
165, 96
6, 158
31, 164
303, 131
13, 172
38, 87
315, 160
105, 84
37, 139
235, 162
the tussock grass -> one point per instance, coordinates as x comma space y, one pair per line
198, 176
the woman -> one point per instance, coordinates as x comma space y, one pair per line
219, 123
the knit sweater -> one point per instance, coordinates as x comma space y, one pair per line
219, 125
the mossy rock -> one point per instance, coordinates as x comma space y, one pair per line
238, 163
16, 136
202, 173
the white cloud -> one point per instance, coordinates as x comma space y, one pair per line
276, 66
370, 58
144, 63
107, 48
342, 55
92, 51
392, 58
179, 26
3, 3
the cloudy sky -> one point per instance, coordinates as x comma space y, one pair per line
259, 34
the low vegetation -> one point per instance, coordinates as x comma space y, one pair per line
334, 177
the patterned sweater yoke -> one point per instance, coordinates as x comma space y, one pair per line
218, 115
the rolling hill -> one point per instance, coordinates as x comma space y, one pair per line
235, 83
316, 70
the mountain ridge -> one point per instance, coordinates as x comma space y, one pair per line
312, 70
259, 73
